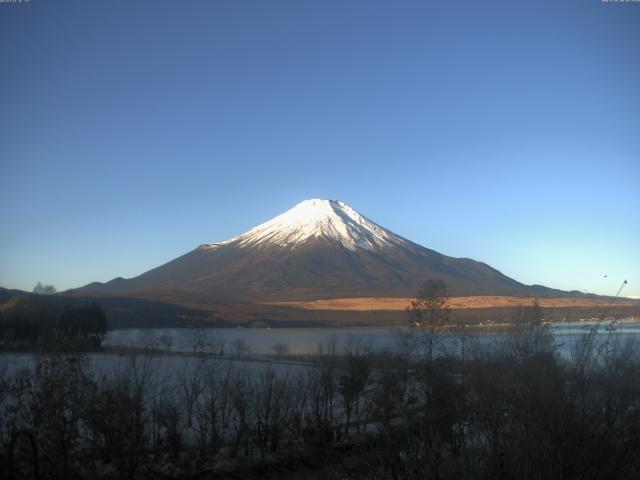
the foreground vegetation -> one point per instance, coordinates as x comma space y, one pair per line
516, 410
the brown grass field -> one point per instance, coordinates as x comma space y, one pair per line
364, 304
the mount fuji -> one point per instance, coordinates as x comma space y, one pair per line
319, 249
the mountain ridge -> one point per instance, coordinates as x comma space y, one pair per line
319, 249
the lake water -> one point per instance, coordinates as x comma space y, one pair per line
166, 369
310, 340
160, 368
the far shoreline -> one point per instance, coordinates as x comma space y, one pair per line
481, 327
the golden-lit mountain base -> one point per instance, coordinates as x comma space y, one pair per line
394, 304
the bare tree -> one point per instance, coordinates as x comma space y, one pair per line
390, 390
217, 341
242, 391
352, 381
58, 400
215, 409
280, 349
167, 341
534, 335
428, 313
198, 339
118, 416
44, 289
240, 346
149, 341
271, 406
191, 386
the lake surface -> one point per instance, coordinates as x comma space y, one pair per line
160, 369
311, 340
166, 369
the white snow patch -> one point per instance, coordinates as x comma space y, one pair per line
316, 218
209, 246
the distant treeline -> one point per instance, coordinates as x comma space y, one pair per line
42, 319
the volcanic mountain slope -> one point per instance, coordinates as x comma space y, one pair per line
320, 249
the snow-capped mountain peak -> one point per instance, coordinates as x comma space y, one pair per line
318, 218
320, 249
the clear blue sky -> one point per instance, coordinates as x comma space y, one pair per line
508, 132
